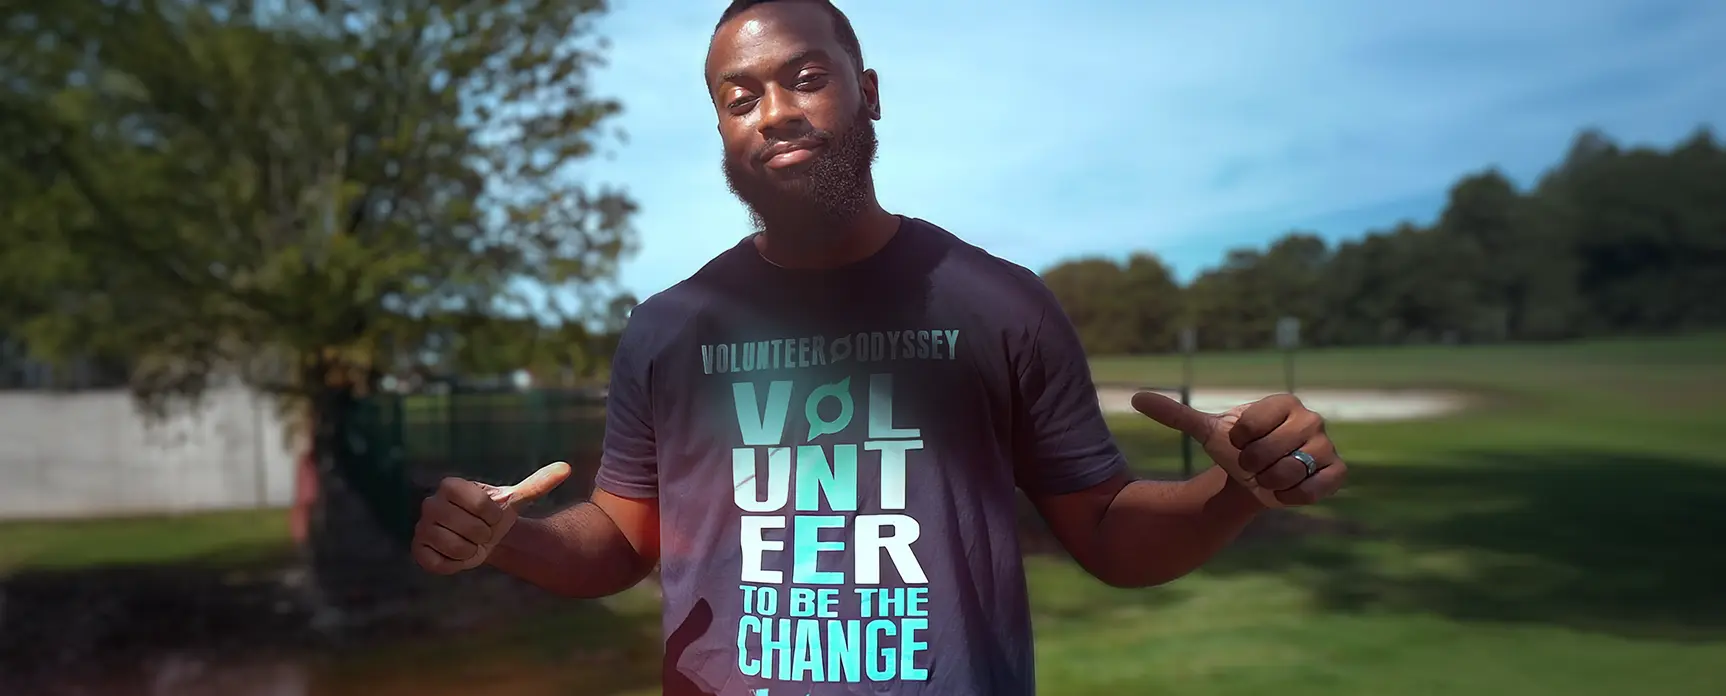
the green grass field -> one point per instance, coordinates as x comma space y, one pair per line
1565, 538
223, 538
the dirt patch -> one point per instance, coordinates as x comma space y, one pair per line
1352, 405
200, 631
185, 628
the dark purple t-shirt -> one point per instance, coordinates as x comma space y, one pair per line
835, 454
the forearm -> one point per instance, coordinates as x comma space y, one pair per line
577, 552
1156, 531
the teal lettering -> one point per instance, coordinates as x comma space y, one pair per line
807, 546
761, 427
882, 664
819, 426
844, 650
807, 664
881, 411
816, 478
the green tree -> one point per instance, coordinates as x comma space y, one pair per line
1156, 303
1237, 304
1523, 267
302, 194
1650, 229
1118, 308
1611, 240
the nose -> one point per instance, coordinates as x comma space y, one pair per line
781, 116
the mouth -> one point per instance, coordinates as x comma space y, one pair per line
791, 153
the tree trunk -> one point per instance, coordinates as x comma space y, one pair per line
357, 550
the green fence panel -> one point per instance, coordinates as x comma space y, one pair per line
496, 437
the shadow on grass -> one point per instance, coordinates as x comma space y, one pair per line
207, 626
1623, 544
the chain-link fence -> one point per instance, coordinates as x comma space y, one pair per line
485, 435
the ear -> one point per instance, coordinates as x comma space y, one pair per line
871, 86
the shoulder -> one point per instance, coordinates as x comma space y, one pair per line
662, 319
991, 283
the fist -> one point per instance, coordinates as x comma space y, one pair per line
1256, 444
463, 522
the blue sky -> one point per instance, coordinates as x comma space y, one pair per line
1044, 131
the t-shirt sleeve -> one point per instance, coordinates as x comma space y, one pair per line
1063, 443
629, 457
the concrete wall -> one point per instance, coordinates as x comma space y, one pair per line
88, 454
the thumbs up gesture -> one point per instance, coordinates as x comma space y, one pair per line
464, 520
1276, 446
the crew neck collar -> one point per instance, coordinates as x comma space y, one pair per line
893, 248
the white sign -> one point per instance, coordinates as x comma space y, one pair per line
1288, 332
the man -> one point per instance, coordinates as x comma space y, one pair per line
818, 436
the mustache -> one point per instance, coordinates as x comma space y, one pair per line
815, 134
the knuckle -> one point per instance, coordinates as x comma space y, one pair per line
1267, 458
424, 557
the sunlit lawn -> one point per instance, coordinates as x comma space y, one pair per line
1565, 539
241, 536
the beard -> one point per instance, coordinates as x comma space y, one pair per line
830, 190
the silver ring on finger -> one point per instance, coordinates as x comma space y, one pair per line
1307, 461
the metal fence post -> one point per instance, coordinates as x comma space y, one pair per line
539, 420
1189, 344
1186, 440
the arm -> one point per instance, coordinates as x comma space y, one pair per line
1125, 532
1188, 522
609, 544
594, 549
1141, 533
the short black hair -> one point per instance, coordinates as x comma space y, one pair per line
841, 24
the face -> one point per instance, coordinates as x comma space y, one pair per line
796, 117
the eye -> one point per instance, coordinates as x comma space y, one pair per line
740, 103
811, 80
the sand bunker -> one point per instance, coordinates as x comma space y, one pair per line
1333, 404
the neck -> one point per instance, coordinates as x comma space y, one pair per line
828, 244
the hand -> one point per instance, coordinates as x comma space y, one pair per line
1252, 442
464, 520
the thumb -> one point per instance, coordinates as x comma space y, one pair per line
535, 486
1174, 414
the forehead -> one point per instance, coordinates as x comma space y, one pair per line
766, 35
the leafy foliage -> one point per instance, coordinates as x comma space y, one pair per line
308, 193
1611, 241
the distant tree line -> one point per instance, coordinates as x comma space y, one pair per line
1613, 240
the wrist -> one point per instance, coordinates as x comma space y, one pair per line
1239, 499
510, 545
